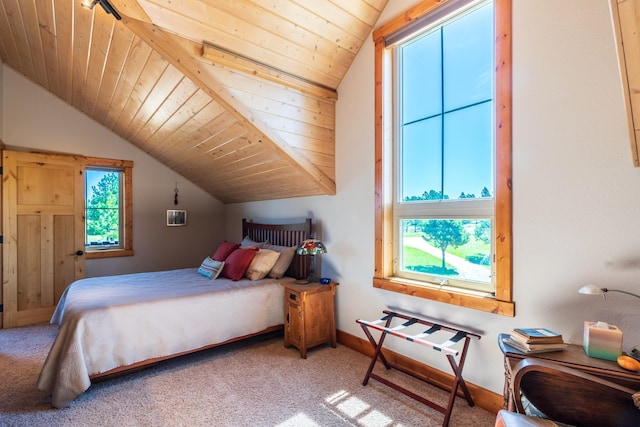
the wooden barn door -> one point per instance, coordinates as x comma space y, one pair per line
43, 233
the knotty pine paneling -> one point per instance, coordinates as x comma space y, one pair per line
257, 124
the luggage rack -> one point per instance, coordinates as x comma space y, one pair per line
384, 325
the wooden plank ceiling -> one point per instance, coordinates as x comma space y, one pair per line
238, 96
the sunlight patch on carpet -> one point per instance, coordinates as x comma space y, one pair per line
299, 420
357, 409
375, 419
353, 407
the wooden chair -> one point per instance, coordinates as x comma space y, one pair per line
572, 397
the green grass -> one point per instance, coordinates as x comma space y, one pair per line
424, 262
416, 234
474, 247
415, 256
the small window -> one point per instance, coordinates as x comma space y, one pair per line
103, 217
108, 208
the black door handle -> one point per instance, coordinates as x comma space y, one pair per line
78, 253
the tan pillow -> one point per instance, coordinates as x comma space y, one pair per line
283, 263
261, 264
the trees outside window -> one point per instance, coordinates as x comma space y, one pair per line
103, 208
108, 208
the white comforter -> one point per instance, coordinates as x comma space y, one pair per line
107, 322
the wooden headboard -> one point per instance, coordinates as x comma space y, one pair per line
283, 235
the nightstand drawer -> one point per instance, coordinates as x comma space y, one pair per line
294, 297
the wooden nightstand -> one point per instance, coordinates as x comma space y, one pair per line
309, 315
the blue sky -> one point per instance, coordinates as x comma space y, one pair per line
466, 101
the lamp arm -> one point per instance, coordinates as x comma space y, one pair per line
622, 292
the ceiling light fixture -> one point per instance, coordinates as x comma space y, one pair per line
90, 4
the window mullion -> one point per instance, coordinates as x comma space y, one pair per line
442, 112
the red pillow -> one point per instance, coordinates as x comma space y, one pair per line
236, 264
224, 250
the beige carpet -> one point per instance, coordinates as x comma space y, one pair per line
254, 383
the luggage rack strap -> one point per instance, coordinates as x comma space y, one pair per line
418, 339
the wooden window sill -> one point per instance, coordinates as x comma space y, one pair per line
109, 253
472, 299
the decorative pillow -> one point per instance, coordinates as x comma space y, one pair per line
249, 243
262, 263
237, 263
224, 250
283, 262
211, 268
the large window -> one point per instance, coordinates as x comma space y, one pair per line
443, 146
108, 208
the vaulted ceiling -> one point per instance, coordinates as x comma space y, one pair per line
238, 96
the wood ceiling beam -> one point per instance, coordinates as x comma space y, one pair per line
175, 50
249, 66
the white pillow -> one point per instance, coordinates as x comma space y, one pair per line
261, 264
211, 268
249, 243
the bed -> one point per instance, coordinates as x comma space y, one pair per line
114, 324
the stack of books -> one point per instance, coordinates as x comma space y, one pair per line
535, 340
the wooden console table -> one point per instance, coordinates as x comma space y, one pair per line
573, 357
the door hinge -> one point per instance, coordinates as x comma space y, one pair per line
1, 308
0, 170
1, 239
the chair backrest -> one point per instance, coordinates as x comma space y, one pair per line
573, 397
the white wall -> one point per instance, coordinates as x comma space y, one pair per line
576, 194
36, 120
